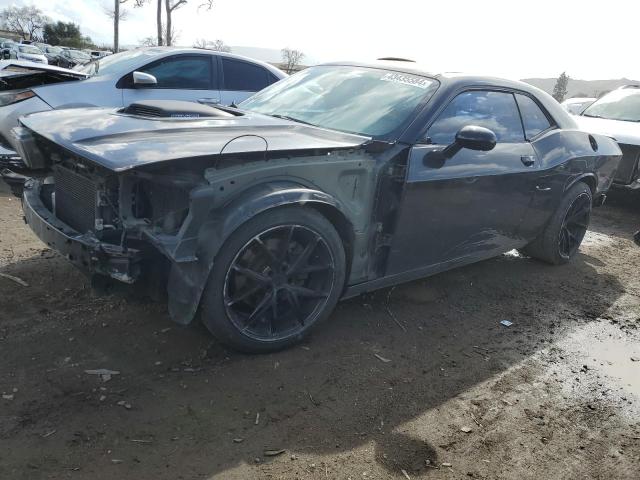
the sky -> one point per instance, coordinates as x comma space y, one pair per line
589, 39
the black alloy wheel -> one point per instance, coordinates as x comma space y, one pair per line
275, 277
574, 226
278, 281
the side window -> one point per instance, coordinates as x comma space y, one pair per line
182, 72
244, 76
496, 111
533, 118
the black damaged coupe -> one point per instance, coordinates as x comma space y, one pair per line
341, 179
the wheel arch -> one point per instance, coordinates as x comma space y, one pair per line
588, 178
188, 280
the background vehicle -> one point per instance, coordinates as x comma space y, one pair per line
577, 104
52, 54
148, 73
99, 53
6, 48
336, 181
617, 114
27, 53
71, 58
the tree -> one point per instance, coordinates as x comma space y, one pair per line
291, 59
170, 7
119, 15
217, 45
560, 89
68, 34
159, 21
28, 21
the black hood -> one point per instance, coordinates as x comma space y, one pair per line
120, 141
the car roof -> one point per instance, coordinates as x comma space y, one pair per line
453, 81
173, 50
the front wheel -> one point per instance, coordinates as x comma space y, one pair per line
561, 238
274, 278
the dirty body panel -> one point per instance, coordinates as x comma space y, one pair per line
162, 197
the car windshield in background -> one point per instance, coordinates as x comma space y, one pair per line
623, 104
54, 49
29, 49
366, 101
77, 55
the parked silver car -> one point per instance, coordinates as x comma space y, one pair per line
617, 114
154, 73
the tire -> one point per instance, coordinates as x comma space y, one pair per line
293, 254
561, 238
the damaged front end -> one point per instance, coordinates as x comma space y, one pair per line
104, 222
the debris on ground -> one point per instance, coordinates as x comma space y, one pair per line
381, 358
104, 373
7, 396
17, 280
274, 453
506, 323
466, 429
406, 475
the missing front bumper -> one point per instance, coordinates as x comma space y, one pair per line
83, 250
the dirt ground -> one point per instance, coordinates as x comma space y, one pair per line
445, 392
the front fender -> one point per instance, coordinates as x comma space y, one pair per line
187, 280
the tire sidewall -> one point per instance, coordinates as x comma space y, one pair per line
212, 309
553, 233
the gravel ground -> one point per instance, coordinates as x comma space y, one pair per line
451, 394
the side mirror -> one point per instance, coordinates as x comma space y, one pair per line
471, 137
141, 78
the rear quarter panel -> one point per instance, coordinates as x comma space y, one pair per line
566, 157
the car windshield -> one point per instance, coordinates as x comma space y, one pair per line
78, 55
367, 101
30, 49
622, 104
119, 62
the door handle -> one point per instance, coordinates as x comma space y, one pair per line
209, 101
528, 160
543, 189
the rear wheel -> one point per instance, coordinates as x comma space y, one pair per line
562, 237
274, 278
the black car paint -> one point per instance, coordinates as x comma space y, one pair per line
399, 219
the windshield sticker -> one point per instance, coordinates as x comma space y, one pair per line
411, 80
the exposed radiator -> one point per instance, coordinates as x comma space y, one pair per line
75, 200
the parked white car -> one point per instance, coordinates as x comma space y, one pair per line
617, 114
28, 53
577, 105
154, 73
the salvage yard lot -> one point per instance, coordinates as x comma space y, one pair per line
421, 378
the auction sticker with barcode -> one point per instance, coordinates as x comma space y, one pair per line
412, 80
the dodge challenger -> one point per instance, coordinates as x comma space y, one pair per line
339, 180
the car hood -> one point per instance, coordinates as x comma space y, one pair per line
624, 132
121, 142
17, 74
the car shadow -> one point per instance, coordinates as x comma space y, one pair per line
184, 405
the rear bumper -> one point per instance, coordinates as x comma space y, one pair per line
83, 250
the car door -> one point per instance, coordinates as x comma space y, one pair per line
470, 207
241, 79
191, 77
